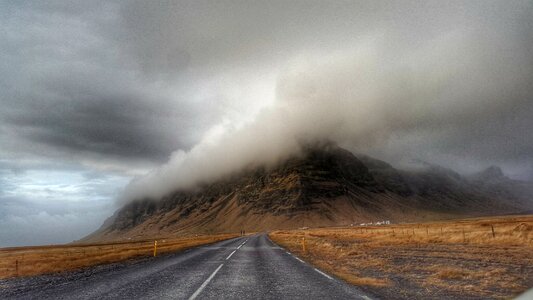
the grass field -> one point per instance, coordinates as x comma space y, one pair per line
488, 258
26, 261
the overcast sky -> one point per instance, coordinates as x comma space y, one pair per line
95, 93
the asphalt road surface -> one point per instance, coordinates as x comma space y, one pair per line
242, 268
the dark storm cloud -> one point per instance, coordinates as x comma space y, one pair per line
121, 79
67, 86
118, 125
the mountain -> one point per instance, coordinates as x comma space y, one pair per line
324, 186
492, 181
490, 174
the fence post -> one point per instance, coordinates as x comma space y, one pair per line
464, 238
17, 267
493, 233
155, 248
303, 245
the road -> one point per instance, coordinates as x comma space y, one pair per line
250, 267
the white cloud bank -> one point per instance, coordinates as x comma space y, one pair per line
362, 98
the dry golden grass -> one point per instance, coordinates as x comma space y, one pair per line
452, 273
357, 279
26, 261
482, 257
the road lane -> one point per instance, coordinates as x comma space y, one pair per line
247, 267
173, 276
263, 270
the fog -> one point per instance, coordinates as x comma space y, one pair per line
374, 96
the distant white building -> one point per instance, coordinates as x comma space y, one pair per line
386, 222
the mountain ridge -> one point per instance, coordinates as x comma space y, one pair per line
324, 186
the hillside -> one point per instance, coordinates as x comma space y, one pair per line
325, 186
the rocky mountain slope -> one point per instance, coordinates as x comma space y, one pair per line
325, 186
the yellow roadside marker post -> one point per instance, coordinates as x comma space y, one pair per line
155, 248
303, 244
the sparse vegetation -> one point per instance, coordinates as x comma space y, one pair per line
26, 261
489, 258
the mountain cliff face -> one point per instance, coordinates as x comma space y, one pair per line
325, 186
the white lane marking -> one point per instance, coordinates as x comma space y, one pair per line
230, 254
242, 244
206, 282
323, 273
296, 257
303, 262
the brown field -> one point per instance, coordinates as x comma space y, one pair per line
482, 258
26, 261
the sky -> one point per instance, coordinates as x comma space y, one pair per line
102, 102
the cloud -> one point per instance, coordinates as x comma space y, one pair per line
52, 207
130, 82
455, 89
445, 92
42, 228
69, 91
